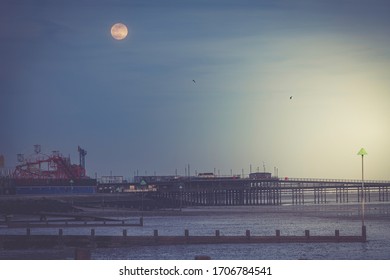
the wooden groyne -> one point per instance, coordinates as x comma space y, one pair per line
100, 241
68, 224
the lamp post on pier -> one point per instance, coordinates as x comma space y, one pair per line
181, 197
71, 182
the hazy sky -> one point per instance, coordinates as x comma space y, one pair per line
133, 105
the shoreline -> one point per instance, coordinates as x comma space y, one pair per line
373, 211
377, 211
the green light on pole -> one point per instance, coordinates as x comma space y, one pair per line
362, 153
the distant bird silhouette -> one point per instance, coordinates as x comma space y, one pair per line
194, 81
291, 97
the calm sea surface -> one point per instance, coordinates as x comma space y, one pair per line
235, 220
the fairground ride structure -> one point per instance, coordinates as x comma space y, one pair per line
53, 166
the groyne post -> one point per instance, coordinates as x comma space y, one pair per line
364, 233
141, 221
28, 231
337, 235
60, 239
92, 241
202, 257
307, 233
124, 232
82, 254
217, 233
155, 235
248, 234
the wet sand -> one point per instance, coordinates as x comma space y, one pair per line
343, 211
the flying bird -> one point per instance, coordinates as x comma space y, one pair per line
194, 81
291, 97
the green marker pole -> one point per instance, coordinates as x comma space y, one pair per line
363, 193
362, 153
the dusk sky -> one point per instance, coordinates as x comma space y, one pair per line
133, 104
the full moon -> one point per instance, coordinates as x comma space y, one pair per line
119, 31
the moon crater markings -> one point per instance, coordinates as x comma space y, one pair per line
119, 31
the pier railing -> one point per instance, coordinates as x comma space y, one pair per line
314, 180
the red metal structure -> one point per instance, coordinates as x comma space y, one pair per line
54, 166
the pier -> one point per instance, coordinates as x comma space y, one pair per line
153, 192
207, 192
272, 191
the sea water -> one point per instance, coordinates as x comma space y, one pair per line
289, 219
321, 219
